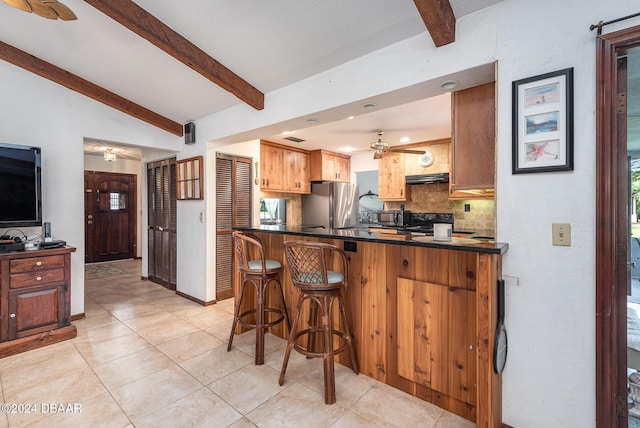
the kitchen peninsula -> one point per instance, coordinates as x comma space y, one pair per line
424, 312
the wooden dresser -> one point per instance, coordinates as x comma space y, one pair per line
35, 299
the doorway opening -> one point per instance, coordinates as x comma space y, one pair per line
614, 269
110, 216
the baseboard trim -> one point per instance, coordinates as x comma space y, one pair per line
193, 299
77, 317
144, 278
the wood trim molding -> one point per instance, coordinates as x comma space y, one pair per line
147, 26
62, 77
440, 21
611, 236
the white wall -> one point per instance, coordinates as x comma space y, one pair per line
34, 111
550, 376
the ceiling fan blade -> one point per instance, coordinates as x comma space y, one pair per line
19, 4
414, 152
61, 10
377, 154
42, 9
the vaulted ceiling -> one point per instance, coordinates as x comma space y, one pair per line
171, 62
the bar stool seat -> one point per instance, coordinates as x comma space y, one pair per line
260, 273
321, 287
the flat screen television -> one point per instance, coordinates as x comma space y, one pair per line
20, 186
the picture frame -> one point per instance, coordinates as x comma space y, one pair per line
543, 123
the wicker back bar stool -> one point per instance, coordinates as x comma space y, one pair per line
308, 262
259, 272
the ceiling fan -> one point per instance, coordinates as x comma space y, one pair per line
50, 9
380, 147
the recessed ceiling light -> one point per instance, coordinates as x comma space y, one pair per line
405, 139
368, 106
347, 149
351, 117
447, 85
287, 132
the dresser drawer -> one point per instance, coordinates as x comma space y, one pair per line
36, 278
35, 264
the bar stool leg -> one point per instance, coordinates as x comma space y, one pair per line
260, 287
327, 355
313, 325
236, 314
292, 334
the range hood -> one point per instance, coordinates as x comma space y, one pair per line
428, 178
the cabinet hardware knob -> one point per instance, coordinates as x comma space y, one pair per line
471, 347
12, 315
39, 278
38, 263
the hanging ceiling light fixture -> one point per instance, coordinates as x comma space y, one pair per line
109, 155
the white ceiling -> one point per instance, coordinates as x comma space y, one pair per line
270, 44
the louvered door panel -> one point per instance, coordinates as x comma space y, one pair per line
242, 203
233, 208
161, 194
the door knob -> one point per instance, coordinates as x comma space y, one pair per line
90, 222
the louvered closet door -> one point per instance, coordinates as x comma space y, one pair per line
161, 194
233, 208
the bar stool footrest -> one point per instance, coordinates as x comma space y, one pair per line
318, 330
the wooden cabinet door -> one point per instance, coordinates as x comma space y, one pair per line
371, 336
330, 166
343, 168
272, 159
473, 142
436, 337
391, 179
296, 172
36, 309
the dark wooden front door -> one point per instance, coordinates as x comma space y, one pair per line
110, 216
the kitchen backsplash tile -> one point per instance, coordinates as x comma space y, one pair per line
435, 198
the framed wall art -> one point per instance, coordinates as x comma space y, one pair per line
543, 123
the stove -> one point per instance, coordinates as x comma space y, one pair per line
423, 222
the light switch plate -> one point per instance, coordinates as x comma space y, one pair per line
561, 234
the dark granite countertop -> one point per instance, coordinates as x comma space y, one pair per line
400, 238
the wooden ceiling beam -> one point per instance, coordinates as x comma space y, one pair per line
439, 19
147, 26
69, 80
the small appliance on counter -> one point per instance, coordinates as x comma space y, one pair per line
394, 218
331, 205
417, 223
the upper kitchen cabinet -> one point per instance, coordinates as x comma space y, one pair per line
391, 178
284, 169
271, 161
473, 143
296, 172
330, 166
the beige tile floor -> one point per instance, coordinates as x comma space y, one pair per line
145, 357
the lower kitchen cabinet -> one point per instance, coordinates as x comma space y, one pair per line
35, 299
423, 320
436, 338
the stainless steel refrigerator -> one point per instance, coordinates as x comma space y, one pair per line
331, 205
